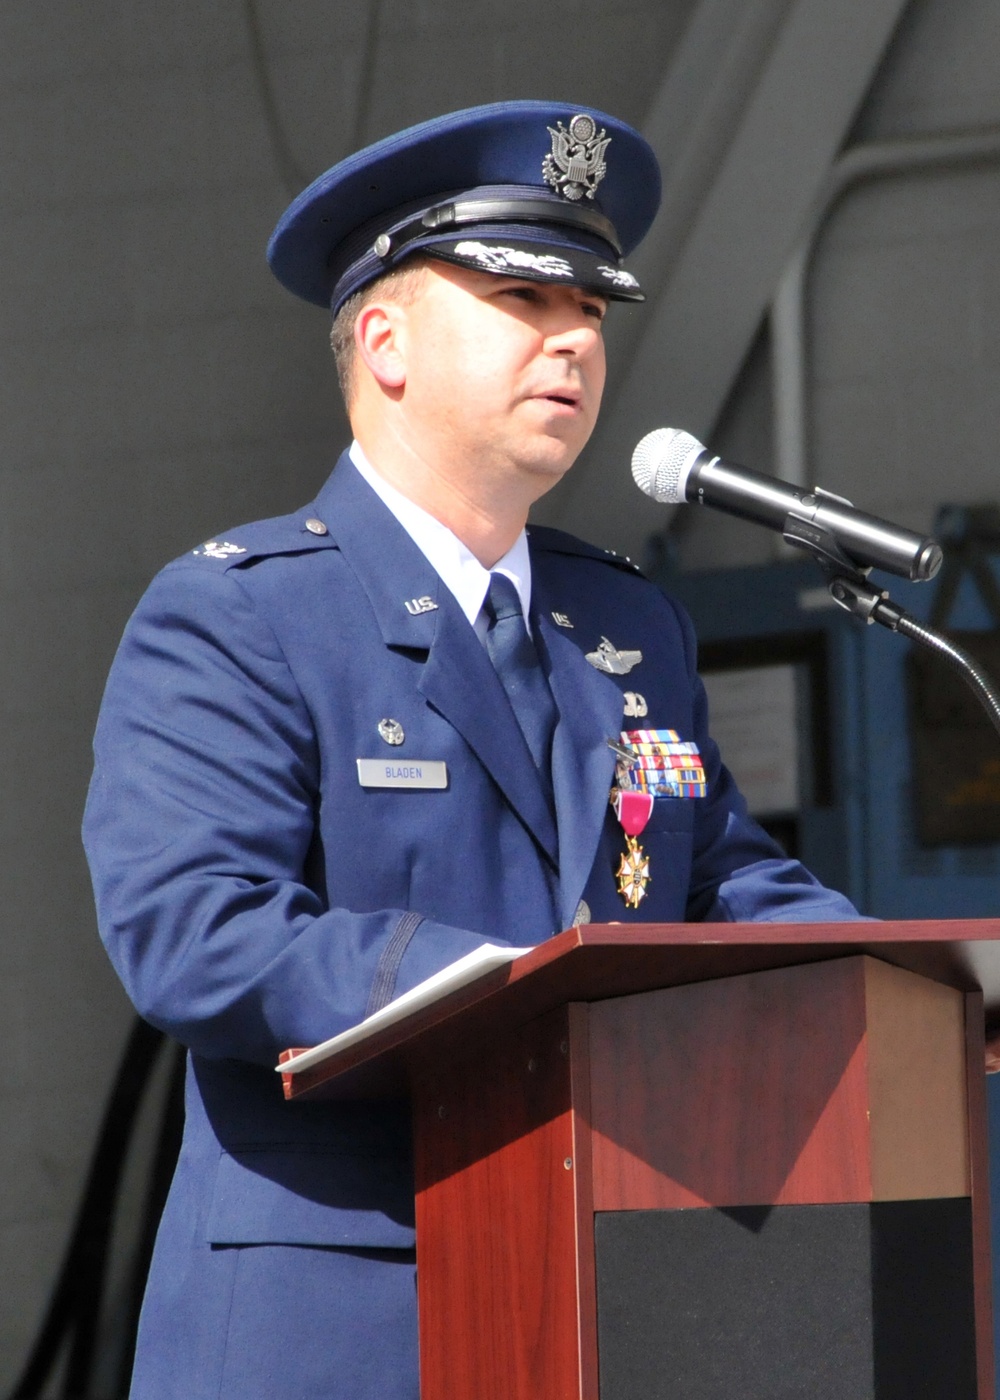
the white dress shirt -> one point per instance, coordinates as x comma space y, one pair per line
455, 564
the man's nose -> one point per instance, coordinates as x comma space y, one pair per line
575, 340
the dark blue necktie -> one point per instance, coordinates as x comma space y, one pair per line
516, 663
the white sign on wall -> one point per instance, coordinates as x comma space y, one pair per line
753, 717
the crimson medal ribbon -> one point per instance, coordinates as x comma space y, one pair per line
633, 810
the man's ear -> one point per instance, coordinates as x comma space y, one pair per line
379, 335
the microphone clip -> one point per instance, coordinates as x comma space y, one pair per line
820, 542
847, 581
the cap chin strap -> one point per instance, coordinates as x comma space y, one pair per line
510, 209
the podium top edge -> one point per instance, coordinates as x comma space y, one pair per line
598, 961
852, 931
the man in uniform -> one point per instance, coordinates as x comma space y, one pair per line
343, 748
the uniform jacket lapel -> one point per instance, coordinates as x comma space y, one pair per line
583, 766
458, 679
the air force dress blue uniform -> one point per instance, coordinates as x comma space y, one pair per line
254, 895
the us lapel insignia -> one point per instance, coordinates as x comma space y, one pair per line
561, 620
611, 661
635, 705
416, 606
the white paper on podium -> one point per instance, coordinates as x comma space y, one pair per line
457, 974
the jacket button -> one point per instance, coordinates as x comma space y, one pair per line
316, 527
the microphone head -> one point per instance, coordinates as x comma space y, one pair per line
662, 462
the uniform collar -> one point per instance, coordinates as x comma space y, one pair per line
457, 567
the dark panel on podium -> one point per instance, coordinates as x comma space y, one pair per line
871, 1301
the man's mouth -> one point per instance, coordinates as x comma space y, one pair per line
567, 398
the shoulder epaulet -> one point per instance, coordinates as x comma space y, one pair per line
283, 534
560, 542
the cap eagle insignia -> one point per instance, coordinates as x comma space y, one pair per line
576, 165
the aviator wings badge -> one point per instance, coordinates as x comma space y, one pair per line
576, 166
613, 662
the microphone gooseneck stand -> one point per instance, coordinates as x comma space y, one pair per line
850, 588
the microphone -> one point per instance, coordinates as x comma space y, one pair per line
672, 466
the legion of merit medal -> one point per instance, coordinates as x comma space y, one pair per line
633, 811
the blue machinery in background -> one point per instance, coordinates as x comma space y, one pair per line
856, 823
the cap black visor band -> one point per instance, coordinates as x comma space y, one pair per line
455, 213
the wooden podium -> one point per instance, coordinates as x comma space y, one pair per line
701, 1161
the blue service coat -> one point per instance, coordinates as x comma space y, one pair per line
253, 895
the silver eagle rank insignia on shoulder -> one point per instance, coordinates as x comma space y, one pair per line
576, 165
218, 549
611, 661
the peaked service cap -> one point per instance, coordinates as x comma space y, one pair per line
541, 190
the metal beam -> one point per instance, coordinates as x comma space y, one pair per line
787, 86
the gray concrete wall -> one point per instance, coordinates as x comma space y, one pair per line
904, 372
152, 390
902, 349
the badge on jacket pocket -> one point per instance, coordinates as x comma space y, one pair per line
392, 773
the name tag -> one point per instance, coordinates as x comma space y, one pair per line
417, 773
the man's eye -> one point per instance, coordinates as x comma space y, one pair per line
596, 309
